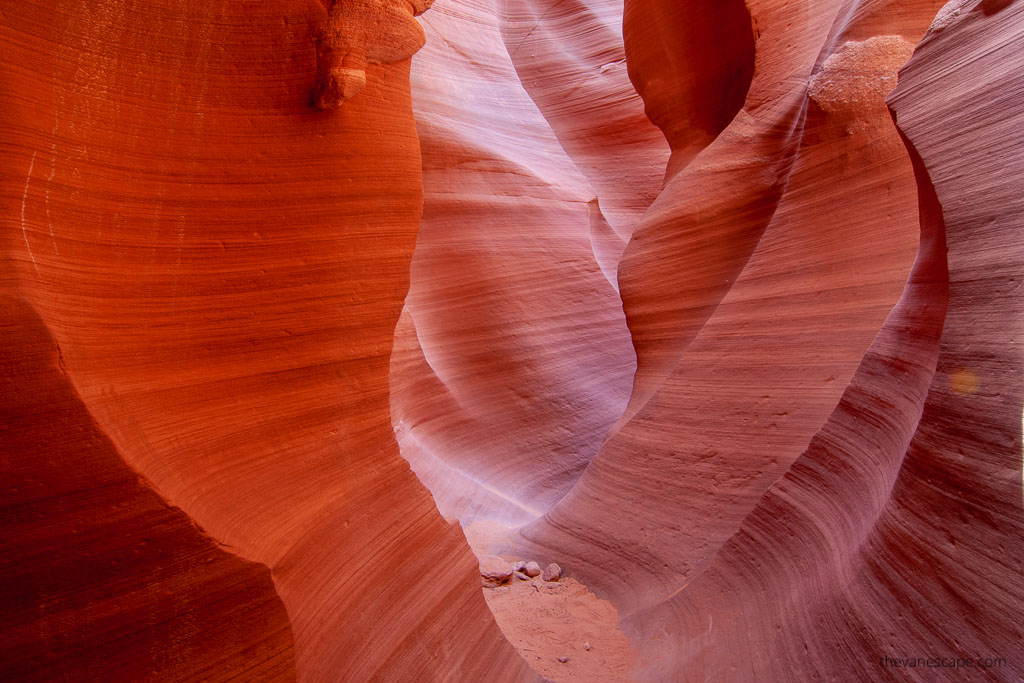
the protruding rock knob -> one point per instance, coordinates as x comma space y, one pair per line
361, 32
341, 80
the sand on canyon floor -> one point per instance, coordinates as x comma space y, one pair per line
547, 620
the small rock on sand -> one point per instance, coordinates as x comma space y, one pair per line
494, 571
522, 577
518, 566
586, 646
563, 659
552, 572
531, 569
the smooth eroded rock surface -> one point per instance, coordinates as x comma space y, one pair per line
222, 265
92, 559
716, 303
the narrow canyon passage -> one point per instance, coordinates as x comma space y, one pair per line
761, 264
320, 314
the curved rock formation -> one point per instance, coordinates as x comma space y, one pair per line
752, 287
103, 580
668, 293
513, 357
872, 541
222, 266
896, 533
784, 344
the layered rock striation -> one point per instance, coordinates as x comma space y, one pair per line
758, 507
715, 304
221, 265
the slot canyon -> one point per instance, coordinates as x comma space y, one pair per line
320, 315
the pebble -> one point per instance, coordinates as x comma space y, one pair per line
563, 659
586, 646
552, 572
531, 569
494, 571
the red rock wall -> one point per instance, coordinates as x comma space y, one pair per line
103, 580
222, 266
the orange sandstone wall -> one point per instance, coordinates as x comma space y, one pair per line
222, 265
102, 579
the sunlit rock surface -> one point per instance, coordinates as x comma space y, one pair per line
512, 357
714, 303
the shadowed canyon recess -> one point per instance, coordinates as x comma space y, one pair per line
512, 340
